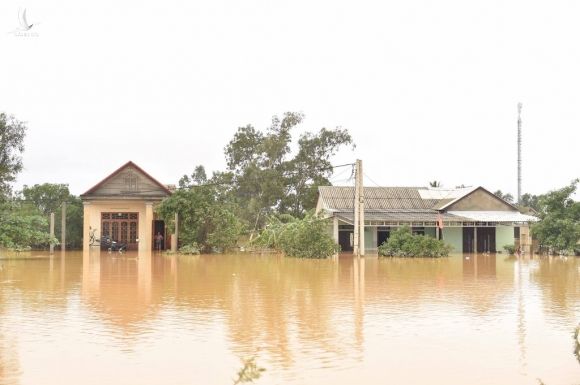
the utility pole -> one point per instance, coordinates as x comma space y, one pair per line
63, 228
51, 247
359, 211
519, 152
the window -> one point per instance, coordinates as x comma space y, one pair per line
418, 231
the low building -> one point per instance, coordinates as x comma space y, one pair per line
121, 207
469, 219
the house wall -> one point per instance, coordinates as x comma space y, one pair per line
431, 231
504, 235
454, 237
92, 219
370, 238
480, 200
130, 181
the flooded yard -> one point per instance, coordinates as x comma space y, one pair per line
153, 319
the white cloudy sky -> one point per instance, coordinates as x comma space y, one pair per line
428, 89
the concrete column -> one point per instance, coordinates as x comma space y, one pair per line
63, 227
175, 234
51, 247
335, 229
146, 244
86, 226
475, 240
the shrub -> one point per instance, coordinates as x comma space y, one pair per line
402, 243
302, 238
510, 249
191, 249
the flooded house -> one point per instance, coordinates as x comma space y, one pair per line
469, 219
121, 207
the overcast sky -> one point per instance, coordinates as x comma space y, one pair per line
428, 89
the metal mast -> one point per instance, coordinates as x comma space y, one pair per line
519, 152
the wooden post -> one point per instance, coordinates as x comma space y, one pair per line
63, 228
51, 247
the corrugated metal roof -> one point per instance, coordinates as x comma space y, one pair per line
341, 198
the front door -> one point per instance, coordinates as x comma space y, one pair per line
486, 240
468, 237
382, 236
121, 227
345, 240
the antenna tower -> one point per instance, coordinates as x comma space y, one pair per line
519, 152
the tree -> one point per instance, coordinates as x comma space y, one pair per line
204, 218
20, 232
506, 197
12, 132
268, 178
435, 183
559, 225
530, 201
48, 198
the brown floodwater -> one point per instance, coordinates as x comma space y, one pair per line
153, 319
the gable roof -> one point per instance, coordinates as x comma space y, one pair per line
118, 171
447, 205
341, 198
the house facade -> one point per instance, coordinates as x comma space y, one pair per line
469, 219
121, 207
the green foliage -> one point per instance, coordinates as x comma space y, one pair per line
249, 372
530, 201
510, 249
402, 243
191, 249
204, 218
48, 198
559, 225
506, 197
302, 238
268, 179
24, 231
435, 183
12, 134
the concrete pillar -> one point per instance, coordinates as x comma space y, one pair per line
335, 229
63, 227
51, 247
475, 240
86, 226
146, 244
175, 234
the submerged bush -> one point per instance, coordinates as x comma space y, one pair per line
510, 249
402, 243
192, 249
302, 238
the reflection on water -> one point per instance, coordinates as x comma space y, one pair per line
150, 319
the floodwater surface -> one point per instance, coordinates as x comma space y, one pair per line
153, 319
